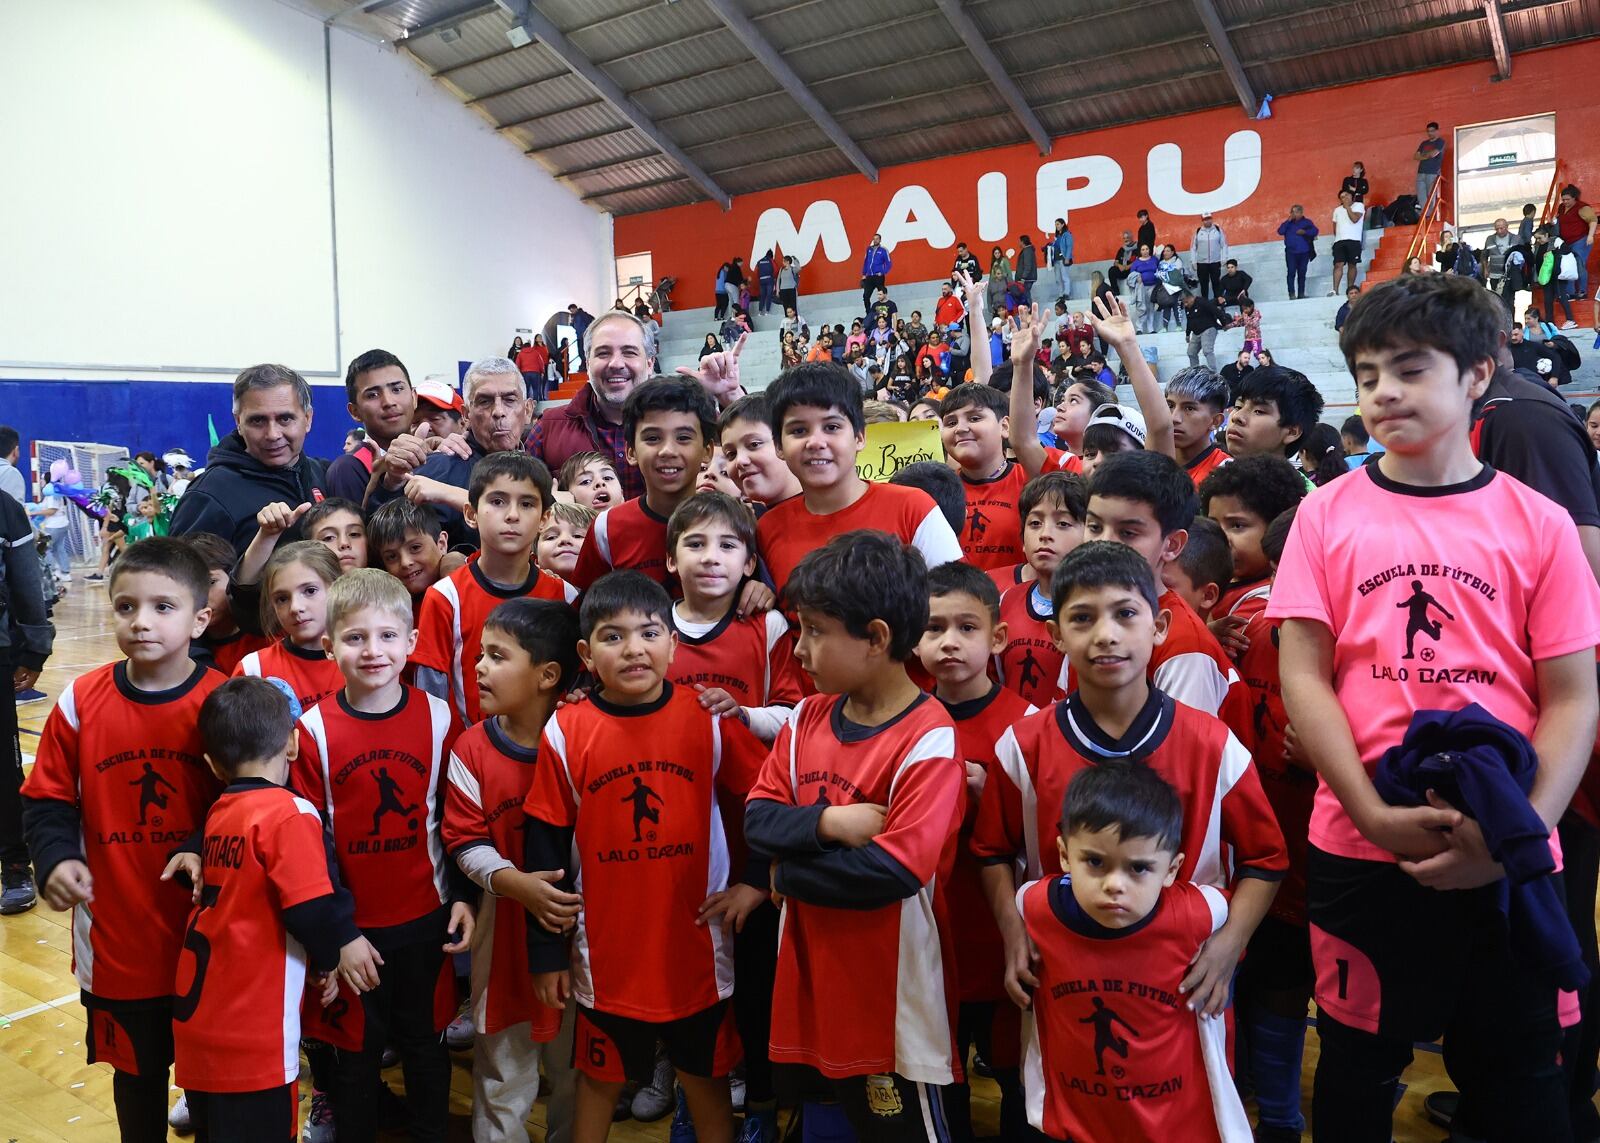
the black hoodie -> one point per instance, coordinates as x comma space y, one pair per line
235, 486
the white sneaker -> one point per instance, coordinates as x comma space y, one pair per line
656, 1098
178, 1118
1569, 325
736, 1090
459, 1035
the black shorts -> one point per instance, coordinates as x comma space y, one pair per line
612, 1049
1347, 251
1278, 958
133, 1036
885, 1108
269, 1116
1396, 959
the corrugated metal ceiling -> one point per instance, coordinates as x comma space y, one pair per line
896, 74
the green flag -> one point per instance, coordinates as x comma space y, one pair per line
211, 430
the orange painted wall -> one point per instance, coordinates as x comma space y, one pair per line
1307, 147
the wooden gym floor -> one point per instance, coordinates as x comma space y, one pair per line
49, 1095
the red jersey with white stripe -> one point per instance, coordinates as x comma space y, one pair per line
1007, 577
992, 536
980, 953
312, 675
378, 780
1190, 665
1246, 599
867, 991
1228, 825
1208, 461
229, 650
236, 1012
132, 765
1057, 459
752, 659
490, 777
1291, 787
1113, 1052
450, 626
789, 530
1030, 664
638, 786
626, 535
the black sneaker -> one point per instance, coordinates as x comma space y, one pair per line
16, 888
1441, 1106
1268, 1133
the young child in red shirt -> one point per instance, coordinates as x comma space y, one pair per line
1251, 493
372, 761
409, 542
117, 785
858, 804
1427, 580
624, 802
224, 641
754, 462
529, 661
973, 424
820, 428
1052, 506
1204, 567
1198, 398
294, 610
506, 500
964, 630
267, 910
669, 423
1116, 1050
561, 537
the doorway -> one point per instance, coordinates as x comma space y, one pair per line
635, 281
1500, 167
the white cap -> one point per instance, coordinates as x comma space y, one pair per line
998, 323
177, 458
1130, 421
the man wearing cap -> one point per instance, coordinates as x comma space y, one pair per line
439, 412
378, 393
1209, 251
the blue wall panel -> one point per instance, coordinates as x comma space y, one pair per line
153, 415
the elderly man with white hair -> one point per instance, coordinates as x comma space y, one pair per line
497, 420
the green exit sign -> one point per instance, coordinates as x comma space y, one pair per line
1509, 159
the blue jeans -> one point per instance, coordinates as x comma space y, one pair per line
1579, 290
1064, 279
769, 293
1297, 264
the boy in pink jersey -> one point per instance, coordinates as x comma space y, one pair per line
1428, 580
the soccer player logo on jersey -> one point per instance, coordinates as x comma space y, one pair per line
1029, 677
389, 801
643, 811
1417, 604
1104, 1019
978, 524
150, 794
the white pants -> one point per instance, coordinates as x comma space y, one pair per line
505, 1082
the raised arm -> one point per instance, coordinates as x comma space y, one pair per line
1113, 326
1025, 326
973, 294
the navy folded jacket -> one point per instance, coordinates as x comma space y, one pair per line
1485, 769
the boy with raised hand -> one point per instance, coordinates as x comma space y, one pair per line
372, 761
506, 501
858, 806
1053, 506
1428, 580
965, 631
625, 799
973, 426
409, 542
1112, 1051
529, 661
1109, 623
1244, 499
670, 424
1114, 328
119, 782
1198, 398
268, 908
740, 667
818, 423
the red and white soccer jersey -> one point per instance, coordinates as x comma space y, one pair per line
1030, 665
1228, 825
1113, 1052
450, 626
992, 536
130, 764
228, 650
752, 659
1208, 461
1190, 665
1056, 459
1246, 599
378, 779
1008, 577
635, 785
1291, 787
236, 1008
980, 953
867, 991
490, 777
626, 535
312, 675
788, 531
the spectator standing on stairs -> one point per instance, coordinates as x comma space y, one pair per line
1299, 237
1202, 319
767, 278
1147, 230
1060, 254
1348, 219
1575, 224
999, 279
1356, 181
1235, 284
1027, 267
875, 267
1430, 161
789, 283
966, 263
1209, 251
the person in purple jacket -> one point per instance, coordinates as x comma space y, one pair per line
1299, 235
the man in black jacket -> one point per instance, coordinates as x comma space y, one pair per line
1202, 320
25, 641
1233, 285
261, 462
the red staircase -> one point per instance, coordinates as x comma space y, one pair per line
569, 388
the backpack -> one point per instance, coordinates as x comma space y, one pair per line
1404, 211
1562, 347
1466, 261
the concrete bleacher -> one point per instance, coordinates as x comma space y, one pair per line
1299, 333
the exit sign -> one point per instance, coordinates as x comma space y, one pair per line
1509, 159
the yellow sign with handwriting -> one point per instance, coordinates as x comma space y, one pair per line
892, 445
